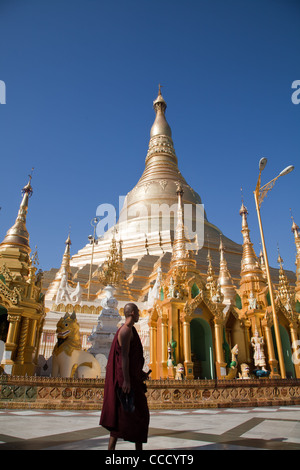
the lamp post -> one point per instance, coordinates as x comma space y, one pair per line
94, 223
259, 195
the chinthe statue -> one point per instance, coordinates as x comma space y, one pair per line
69, 360
232, 370
179, 375
245, 372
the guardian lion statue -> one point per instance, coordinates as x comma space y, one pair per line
69, 360
232, 370
179, 372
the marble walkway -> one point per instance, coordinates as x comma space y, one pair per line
262, 428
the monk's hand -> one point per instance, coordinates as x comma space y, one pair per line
145, 375
126, 386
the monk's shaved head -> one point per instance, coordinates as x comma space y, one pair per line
129, 309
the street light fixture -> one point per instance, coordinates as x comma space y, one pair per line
287, 170
259, 195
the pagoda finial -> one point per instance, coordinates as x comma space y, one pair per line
28, 188
160, 125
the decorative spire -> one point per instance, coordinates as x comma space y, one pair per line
225, 280
180, 254
284, 289
18, 235
112, 272
211, 284
179, 248
249, 260
253, 279
65, 264
262, 264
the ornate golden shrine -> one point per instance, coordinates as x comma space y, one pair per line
185, 298
21, 296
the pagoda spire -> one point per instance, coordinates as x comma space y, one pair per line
225, 280
180, 253
64, 270
262, 264
160, 136
65, 264
250, 267
211, 284
18, 235
284, 288
253, 279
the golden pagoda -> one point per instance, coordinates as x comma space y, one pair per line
197, 305
21, 298
146, 225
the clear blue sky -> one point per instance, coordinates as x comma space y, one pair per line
81, 76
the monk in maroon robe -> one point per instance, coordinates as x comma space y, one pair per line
124, 371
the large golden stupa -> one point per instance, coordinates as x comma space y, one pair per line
146, 225
196, 304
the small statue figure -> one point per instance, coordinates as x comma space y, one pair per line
170, 361
179, 372
245, 371
257, 343
171, 293
67, 293
252, 301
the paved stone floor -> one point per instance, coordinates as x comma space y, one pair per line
269, 428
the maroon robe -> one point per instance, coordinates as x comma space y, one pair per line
121, 424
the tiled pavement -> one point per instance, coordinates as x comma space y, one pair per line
269, 428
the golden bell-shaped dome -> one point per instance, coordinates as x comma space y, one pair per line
159, 181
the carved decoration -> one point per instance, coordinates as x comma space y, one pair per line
14, 294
